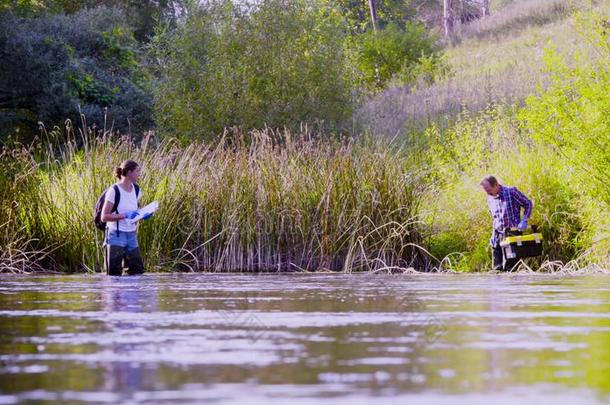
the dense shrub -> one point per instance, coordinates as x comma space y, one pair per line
278, 64
143, 15
573, 114
55, 66
403, 53
492, 143
573, 117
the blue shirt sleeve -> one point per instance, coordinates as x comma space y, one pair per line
523, 202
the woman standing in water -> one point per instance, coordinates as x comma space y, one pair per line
120, 205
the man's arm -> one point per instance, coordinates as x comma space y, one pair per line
523, 202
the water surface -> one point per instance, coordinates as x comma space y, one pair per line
436, 339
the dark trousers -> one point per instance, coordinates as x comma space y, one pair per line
500, 263
117, 256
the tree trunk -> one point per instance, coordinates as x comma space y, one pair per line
448, 17
373, 14
485, 8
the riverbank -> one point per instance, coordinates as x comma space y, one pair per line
266, 200
271, 201
253, 202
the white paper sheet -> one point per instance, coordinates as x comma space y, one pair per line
149, 209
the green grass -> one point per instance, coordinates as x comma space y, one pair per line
511, 19
261, 201
497, 60
555, 148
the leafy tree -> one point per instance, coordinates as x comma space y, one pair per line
55, 66
276, 63
395, 52
573, 114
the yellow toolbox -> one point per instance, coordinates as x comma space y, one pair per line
518, 246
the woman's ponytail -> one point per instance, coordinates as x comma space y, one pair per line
125, 167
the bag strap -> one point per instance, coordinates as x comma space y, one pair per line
117, 200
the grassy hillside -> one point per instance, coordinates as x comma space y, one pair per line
528, 101
494, 60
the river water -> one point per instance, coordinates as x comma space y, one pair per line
292, 338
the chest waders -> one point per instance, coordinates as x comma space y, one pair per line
500, 261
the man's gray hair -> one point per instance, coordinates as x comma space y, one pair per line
490, 179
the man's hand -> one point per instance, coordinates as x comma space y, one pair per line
522, 225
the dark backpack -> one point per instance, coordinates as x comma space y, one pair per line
97, 218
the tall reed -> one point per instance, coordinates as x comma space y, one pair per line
258, 201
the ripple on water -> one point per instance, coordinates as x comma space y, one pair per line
278, 338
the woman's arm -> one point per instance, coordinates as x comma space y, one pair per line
106, 213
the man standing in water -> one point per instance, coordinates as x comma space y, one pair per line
505, 204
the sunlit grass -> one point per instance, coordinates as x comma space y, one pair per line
262, 201
498, 60
275, 201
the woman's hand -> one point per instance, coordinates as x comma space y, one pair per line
130, 214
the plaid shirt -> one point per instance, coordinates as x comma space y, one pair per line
505, 208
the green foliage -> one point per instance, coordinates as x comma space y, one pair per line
218, 64
258, 201
278, 64
85, 62
395, 52
491, 142
119, 49
358, 15
143, 15
32, 8
573, 114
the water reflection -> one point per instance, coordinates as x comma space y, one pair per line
133, 294
125, 295
266, 338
